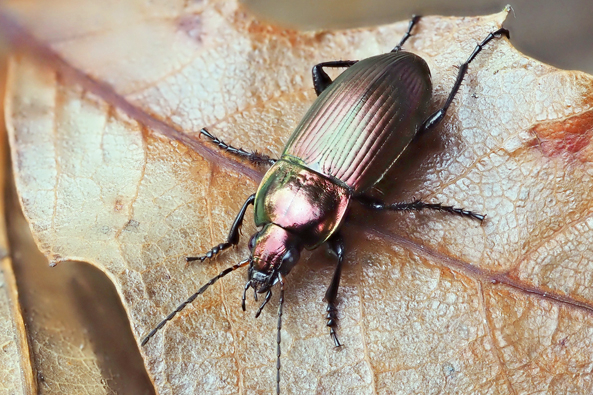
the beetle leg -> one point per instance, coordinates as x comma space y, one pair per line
254, 157
320, 78
233, 237
408, 34
336, 245
417, 205
438, 116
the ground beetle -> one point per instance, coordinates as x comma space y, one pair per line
356, 129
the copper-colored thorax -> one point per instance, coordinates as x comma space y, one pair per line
301, 201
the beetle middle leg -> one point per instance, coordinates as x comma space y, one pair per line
233, 237
408, 34
254, 157
320, 78
417, 205
336, 245
438, 115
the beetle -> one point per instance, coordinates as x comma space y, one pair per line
355, 130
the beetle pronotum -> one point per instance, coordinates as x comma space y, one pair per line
356, 129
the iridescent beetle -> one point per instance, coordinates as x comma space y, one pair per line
356, 129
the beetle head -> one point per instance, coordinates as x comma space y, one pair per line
274, 251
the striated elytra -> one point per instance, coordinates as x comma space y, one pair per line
352, 134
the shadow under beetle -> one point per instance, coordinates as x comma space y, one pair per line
356, 129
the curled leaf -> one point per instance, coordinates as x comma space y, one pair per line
15, 369
111, 171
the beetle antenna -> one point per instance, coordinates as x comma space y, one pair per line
191, 299
278, 337
265, 302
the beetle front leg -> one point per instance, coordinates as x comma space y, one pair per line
254, 157
320, 78
417, 205
233, 237
438, 115
336, 245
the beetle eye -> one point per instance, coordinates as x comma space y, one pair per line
251, 243
289, 260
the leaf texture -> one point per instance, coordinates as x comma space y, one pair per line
103, 114
14, 364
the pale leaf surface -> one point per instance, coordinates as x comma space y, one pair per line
70, 314
11, 378
110, 172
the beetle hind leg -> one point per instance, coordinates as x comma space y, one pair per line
232, 238
408, 34
438, 115
418, 205
253, 157
336, 245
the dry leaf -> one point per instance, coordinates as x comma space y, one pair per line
110, 171
70, 319
11, 375
15, 366
56, 333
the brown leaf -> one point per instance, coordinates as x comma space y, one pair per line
12, 377
70, 317
55, 333
110, 171
15, 366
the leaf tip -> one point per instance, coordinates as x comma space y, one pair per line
502, 15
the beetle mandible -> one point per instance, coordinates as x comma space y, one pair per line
355, 130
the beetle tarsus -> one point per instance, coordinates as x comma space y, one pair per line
408, 34
321, 80
418, 205
438, 115
232, 238
332, 323
254, 157
210, 254
336, 245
